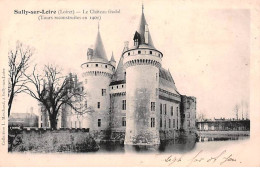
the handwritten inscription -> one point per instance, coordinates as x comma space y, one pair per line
220, 159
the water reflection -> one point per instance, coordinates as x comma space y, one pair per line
181, 145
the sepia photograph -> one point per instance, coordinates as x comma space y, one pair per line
130, 83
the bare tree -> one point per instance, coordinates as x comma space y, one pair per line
236, 110
53, 91
18, 61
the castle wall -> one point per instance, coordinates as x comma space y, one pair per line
118, 113
188, 112
142, 84
97, 77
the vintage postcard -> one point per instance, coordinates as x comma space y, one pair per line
130, 83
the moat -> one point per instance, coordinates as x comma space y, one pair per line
183, 145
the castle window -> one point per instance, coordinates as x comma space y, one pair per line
165, 123
152, 106
122, 86
171, 110
104, 92
106, 66
161, 108
165, 109
96, 65
173, 123
112, 87
139, 52
188, 115
123, 121
152, 122
170, 123
98, 105
117, 87
123, 104
87, 65
99, 122
177, 111
160, 122
136, 42
151, 52
128, 53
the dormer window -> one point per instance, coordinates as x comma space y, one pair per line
137, 39
136, 42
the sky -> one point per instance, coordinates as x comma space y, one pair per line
206, 49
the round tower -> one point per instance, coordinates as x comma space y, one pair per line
97, 74
142, 63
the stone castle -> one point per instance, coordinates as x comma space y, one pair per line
137, 99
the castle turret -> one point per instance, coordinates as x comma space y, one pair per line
97, 74
112, 60
142, 63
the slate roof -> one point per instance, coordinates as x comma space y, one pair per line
99, 50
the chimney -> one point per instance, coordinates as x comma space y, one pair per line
146, 34
126, 45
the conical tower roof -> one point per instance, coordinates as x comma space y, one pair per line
141, 31
99, 50
112, 58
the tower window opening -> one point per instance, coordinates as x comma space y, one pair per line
123, 121
128, 53
123, 104
169, 123
165, 109
151, 52
171, 110
87, 65
152, 106
173, 123
122, 86
99, 122
106, 66
96, 65
98, 105
86, 104
152, 122
161, 108
160, 122
104, 92
139, 52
